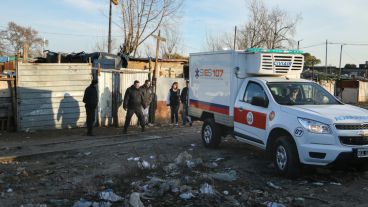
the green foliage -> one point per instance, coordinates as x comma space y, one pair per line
310, 60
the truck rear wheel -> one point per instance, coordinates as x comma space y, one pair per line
211, 133
285, 157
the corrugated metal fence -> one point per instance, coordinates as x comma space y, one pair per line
112, 87
49, 96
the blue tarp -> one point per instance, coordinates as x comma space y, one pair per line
4, 59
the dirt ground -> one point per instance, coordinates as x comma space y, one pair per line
164, 166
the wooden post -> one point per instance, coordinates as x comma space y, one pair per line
25, 52
155, 71
59, 58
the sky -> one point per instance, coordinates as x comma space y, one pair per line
77, 25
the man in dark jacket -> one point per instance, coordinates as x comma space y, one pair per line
184, 97
90, 99
133, 103
147, 93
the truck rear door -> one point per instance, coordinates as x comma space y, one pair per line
250, 113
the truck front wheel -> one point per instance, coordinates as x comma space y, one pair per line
286, 157
211, 133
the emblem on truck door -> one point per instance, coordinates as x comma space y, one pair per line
250, 118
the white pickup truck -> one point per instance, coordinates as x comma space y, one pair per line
257, 96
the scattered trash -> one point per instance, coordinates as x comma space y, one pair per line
365, 188
135, 200
9, 190
193, 145
225, 192
109, 195
219, 159
303, 182
152, 157
274, 204
335, 183
207, 189
182, 158
186, 196
194, 163
143, 164
298, 202
318, 184
271, 185
84, 203
211, 165
87, 153
33, 205
225, 176
133, 158
171, 168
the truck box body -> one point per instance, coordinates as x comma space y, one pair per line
215, 78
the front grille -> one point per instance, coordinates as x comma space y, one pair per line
351, 126
354, 140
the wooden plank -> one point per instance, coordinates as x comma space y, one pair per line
53, 117
43, 125
50, 105
42, 100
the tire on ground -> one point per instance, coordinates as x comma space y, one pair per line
285, 157
211, 133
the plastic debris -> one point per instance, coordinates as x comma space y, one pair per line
271, 185
87, 153
182, 158
274, 204
85, 203
143, 164
194, 163
133, 158
335, 183
298, 202
135, 200
152, 157
193, 145
186, 196
9, 190
109, 195
318, 184
207, 189
225, 176
225, 192
33, 205
219, 159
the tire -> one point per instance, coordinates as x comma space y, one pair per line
285, 157
211, 133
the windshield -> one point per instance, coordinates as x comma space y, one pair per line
298, 93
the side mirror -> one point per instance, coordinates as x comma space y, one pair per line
259, 101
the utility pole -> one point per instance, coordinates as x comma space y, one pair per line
109, 38
298, 43
340, 62
326, 58
235, 38
158, 39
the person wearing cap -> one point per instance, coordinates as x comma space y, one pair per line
90, 99
184, 97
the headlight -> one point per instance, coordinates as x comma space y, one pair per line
315, 126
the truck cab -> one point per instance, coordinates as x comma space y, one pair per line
295, 121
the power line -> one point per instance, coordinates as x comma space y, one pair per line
315, 45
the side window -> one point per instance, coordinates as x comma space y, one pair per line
254, 90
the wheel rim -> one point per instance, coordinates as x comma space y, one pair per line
281, 157
207, 134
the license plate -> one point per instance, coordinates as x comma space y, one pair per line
363, 152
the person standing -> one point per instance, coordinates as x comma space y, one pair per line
147, 93
184, 97
133, 103
173, 100
90, 99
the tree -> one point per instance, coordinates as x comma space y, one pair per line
170, 48
350, 66
142, 18
310, 60
14, 37
266, 28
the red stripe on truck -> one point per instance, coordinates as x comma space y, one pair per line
259, 119
209, 106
